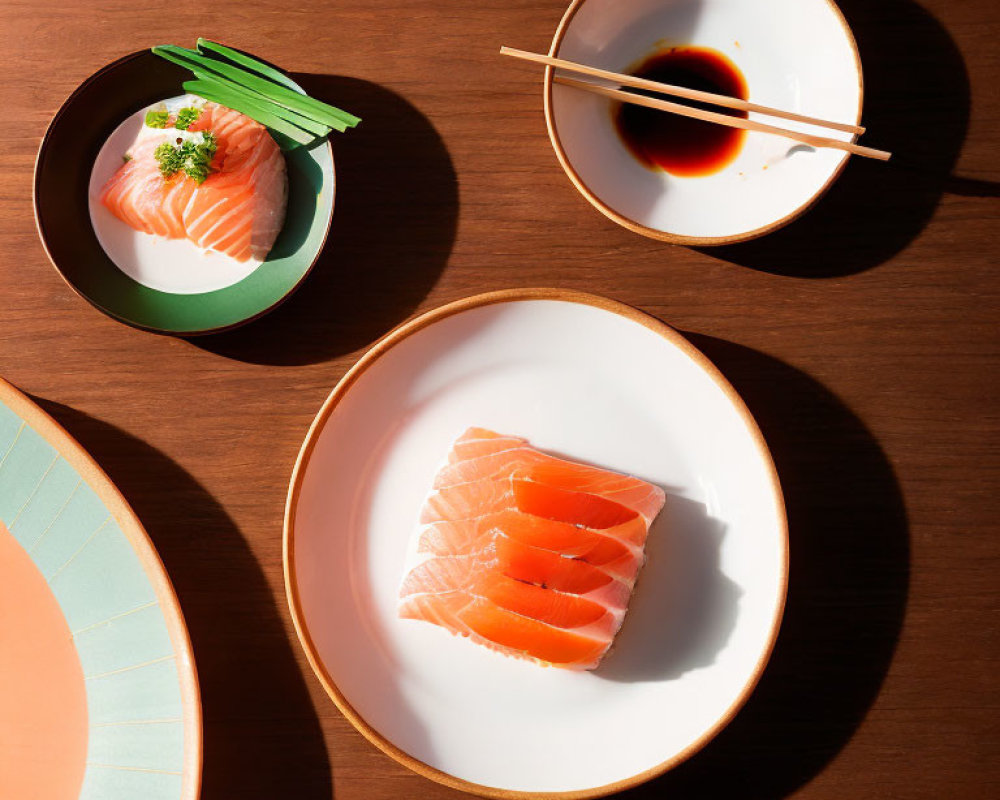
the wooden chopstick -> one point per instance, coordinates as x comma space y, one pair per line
721, 119
676, 91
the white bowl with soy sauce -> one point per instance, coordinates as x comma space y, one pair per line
688, 181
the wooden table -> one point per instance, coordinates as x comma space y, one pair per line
863, 337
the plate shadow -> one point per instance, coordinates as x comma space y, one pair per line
686, 607
917, 106
394, 223
262, 738
848, 584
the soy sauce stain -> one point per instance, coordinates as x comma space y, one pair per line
680, 145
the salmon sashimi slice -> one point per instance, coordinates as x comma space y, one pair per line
137, 191
238, 209
527, 554
499, 629
550, 570
546, 569
615, 558
477, 577
477, 442
520, 461
473, 499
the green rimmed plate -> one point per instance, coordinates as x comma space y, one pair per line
63, 169
70, 537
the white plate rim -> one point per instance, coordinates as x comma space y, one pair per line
380, 348
666, 236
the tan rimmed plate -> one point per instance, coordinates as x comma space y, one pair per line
594, 380
97, 620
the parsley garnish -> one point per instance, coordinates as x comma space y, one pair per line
185, 117
157, 119
190, 157
127, 157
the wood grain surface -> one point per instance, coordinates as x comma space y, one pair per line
864, 338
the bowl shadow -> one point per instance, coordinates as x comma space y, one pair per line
394, 224
917, 106
847, 593
262, 738
685, 608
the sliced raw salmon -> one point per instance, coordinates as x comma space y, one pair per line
528, 554
540, 568
480, 576
475, 498
238, 209
584, 546
477, 442
499, 629
526, 463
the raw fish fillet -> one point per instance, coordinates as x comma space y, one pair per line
238, 210
527, 554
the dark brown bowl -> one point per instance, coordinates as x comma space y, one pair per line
62, 176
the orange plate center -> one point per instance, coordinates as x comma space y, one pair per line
43, 700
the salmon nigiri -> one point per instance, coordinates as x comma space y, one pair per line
234, 203
527, 554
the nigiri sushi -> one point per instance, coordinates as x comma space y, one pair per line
206, 173
530, 555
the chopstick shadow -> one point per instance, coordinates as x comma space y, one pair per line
685, 608
849, 575
262, 738
972, 187
394, 221
917, 106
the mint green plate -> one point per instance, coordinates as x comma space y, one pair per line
143, 706
62, 174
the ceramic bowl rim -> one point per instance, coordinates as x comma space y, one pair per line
666, 236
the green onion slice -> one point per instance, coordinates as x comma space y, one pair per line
304, 122
219, 93
213, 49
276, 93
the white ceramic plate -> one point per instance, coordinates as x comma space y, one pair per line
797, 55
594, 380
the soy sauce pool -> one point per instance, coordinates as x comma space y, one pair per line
680, 145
